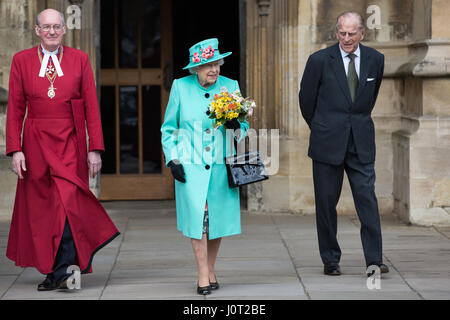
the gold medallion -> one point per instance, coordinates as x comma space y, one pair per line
51, 91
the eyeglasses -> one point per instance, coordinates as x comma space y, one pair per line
47, 27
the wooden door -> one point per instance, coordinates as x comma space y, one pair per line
135, 78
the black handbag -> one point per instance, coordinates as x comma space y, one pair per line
244, 169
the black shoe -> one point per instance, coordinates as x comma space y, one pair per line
203, 290
383, 268
332, 270
47, 285
214, 285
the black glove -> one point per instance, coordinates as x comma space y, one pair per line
233, 124
177, 170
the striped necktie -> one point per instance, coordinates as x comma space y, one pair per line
352, 77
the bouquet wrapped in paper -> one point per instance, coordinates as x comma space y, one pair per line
227, 106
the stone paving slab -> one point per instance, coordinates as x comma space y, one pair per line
366, 296
167, 291
275, 258
291, 289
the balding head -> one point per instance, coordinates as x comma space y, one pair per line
50, 12
350, 15
350, 31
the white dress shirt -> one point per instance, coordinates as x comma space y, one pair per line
346, 60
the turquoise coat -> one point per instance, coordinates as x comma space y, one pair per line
188, 135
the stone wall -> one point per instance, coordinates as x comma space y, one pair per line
411, 114
8, 178
16, 33
422, 145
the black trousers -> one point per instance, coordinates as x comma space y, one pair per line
327, 188
65, 256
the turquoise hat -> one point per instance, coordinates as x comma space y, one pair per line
205, 52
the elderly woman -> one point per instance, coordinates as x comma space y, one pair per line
207, 208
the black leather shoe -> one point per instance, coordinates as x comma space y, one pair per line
47, 285
203, 290
383, 268
214, 285
333, 270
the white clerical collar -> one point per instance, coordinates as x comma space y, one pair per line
50, 52
345, 54
54, 57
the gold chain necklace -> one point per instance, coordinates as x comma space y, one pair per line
50, 72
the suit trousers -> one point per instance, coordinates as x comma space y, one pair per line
65, 256
328, 181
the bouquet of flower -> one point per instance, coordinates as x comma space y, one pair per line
226, 107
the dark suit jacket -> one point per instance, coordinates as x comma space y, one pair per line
327, 107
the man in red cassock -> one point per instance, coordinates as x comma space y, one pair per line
57, 222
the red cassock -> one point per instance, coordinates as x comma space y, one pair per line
56, 183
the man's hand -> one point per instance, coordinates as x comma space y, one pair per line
18, 163
94, 163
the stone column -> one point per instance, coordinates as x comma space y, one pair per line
17, 20
422, 146
258, 86
273, 79
8, 179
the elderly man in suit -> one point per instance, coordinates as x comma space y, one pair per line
338, 92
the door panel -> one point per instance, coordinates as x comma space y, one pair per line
136, 44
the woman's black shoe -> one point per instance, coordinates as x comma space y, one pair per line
204, 290
214, 285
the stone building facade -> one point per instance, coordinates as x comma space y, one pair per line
412, 115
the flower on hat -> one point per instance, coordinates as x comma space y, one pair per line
196, 58
204, 52
208, 53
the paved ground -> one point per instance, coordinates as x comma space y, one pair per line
276, 257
